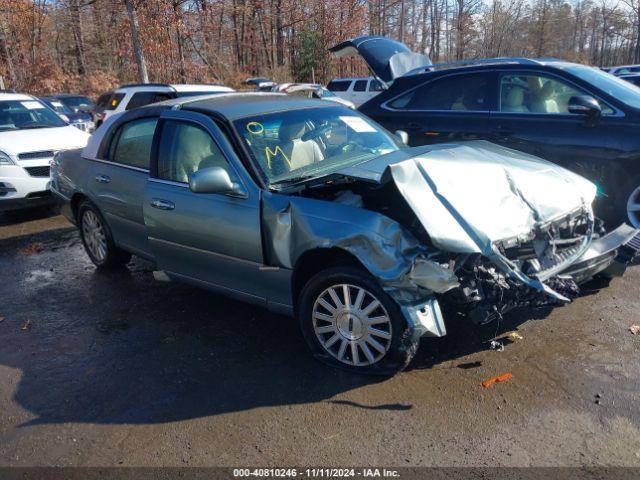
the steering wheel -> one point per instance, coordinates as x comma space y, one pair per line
316, 132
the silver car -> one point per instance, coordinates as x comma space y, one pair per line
310, 209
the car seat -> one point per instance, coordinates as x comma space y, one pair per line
514, 101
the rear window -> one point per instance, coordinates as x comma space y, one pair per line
339, 85
114, 101
132, 144
141, 99
375, 86
103, 100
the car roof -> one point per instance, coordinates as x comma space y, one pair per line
350, 79
176, 87
200, 88
15, 96
244, 104
64, 95
489, 64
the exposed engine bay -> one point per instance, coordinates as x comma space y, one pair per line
470, 283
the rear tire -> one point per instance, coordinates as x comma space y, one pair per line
97, 239
349, 322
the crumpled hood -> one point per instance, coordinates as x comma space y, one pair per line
469, 195
68, 137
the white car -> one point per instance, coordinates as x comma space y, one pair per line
30, 135
312, 90
356, 90
138, 95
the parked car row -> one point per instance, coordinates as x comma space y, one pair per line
31, 134
138, 95
310, 208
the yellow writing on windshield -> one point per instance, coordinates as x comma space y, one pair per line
273, 153
255, 128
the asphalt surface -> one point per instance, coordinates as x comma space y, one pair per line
110, 369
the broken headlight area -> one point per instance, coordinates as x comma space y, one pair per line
549, 247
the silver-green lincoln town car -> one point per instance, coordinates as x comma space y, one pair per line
309, 208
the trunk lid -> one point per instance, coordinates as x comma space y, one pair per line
387, 59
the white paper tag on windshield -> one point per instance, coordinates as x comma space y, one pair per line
56, 104
33, 105
358, 124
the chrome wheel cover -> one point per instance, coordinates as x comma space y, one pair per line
352, 325
633, 208
94, 236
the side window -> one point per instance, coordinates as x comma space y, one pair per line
461, 92
360, 86
132, 144
375, 86
114, 101
186, 148
339, 85
140, 99
538, 94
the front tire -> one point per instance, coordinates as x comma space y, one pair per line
97, 239
349, 322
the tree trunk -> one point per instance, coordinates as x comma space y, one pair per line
135, 40
76, 26
7, 55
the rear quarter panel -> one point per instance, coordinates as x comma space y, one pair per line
69, 175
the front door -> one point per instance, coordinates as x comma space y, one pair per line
210, 239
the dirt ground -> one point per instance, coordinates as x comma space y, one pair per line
102, 369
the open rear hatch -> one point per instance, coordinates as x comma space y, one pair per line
387, 59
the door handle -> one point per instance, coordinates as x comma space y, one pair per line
103, 178
162, 204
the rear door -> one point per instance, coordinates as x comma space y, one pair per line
452, 107
118, 181
210, 239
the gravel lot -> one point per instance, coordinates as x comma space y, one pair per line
117, 369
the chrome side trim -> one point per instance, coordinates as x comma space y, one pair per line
122, 165
169, 182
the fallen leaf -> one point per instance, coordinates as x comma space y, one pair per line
514, 336
635, 329
31, 249
26, 326
500, 378
1, 319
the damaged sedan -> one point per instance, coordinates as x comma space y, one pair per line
310, 209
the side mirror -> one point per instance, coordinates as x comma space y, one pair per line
403, 136
585, 105
214, 180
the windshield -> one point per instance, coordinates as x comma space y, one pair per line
621, 90
26, 114
60, 107
77, 103
312, 142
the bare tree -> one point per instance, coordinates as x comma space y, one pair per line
135, 40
